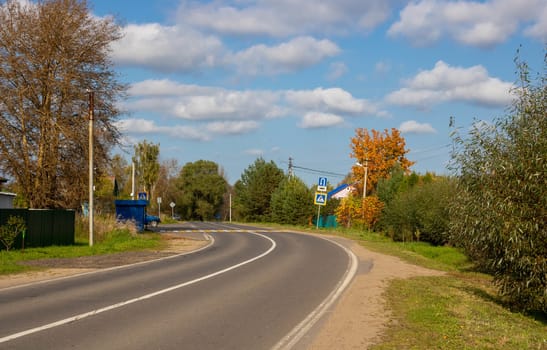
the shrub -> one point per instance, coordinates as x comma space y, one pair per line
9, 232
499, 214
420, 213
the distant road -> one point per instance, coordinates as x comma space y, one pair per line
248, 290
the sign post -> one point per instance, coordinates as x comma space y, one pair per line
320, 198
172, 205
159, 207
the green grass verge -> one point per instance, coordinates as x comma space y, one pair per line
456, 312
460, 310
116, 241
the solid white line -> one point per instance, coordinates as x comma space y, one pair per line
294, 336
207, 238
144, 297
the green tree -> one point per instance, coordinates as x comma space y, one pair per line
202, 188
420, 211
498, 215
292, 202
253, 192
147, 166
51, 54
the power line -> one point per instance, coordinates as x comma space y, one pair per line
306, 170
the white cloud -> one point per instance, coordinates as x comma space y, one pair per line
335, 100
290, 56
227, 105
283, 18
182, 49
320, 120
482, 24
192, 102
413, 127
446, 83
232, 128
539, 29
233, 112
166, 48
143, 126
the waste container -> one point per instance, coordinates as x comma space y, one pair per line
134, 210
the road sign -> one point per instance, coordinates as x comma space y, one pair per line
322, 181
142, 195
320, 198
172, 204
321, 188
159, 200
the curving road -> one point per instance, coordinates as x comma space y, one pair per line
249, 289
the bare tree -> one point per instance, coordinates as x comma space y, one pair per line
52, 54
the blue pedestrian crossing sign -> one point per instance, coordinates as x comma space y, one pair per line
320, 198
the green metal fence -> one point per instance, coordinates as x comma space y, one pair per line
45, 227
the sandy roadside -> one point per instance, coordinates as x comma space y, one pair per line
361, 315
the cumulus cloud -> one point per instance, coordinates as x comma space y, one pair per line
315, 120
143, 126
284, 18
166, 48
296, 54
232, 127
482, 24
182, 49
446, 83
413, 127
333, 100
209, 111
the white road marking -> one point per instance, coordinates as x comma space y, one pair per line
144, 297
294, 336
207, 237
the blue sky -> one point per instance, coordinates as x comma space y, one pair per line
232, 80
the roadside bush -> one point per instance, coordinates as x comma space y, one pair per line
9, 232
420, 213
498, 216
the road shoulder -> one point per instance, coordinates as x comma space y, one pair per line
358, 320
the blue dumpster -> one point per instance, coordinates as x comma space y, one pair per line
134, 210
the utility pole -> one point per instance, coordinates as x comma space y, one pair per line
365, 182
91, 117
291, 170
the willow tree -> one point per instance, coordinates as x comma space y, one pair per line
53, 55
498, 215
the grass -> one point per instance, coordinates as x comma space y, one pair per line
456, 312
460, 310
110, 238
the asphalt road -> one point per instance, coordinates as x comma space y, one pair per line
250, 289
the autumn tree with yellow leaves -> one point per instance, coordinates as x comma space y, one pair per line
377, 153
380, 152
